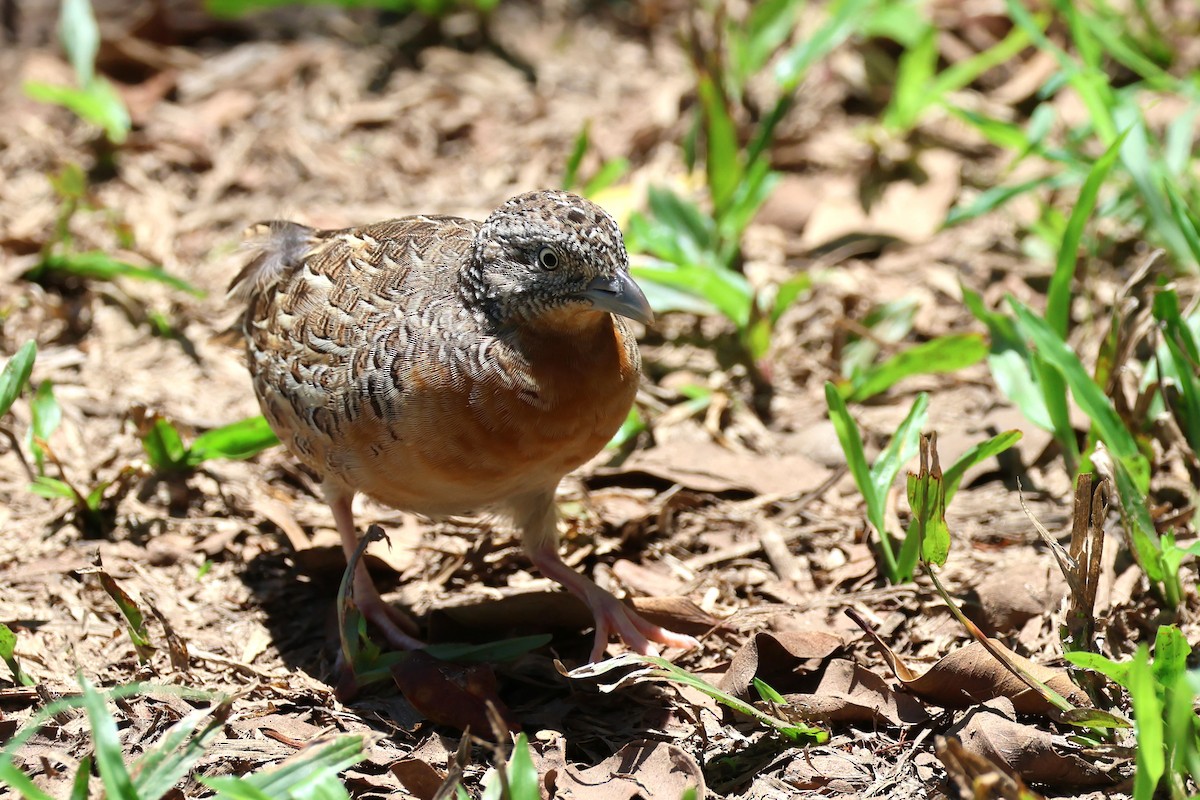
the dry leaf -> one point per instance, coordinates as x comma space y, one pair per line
778, 659
851, 693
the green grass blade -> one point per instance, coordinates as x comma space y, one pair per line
1087, 394
118, 785
856, 459
97, 265
1058, 298
238, 440
942, 355
173, 756
578, 150
723, 161
844, 19
16, 374
900, 449
977, 455
1148, 723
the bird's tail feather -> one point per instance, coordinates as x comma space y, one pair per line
278, 247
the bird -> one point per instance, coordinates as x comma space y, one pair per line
446, 366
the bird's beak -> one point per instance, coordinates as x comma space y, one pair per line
619, 295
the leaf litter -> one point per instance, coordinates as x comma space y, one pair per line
749, 537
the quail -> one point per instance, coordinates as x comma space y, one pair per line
446, 366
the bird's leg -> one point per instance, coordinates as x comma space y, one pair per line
537, 519
395, 626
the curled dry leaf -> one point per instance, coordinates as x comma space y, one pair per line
639, 769
977, 777
778, 659
851, 693
1033, 754
970, 675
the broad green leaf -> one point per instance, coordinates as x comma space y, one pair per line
787, 293
726, 290
52, 488
8, 654
164, 446
15, 375
1116, 671
1138, 524
522, 775
45, 417
609, 173
237, 440
914, 74
767, 27
98, 103
944, 354
134, 619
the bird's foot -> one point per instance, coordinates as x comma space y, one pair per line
393, 624
614, 617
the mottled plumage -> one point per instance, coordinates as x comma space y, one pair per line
444, 366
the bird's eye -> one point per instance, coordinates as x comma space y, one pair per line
548, 258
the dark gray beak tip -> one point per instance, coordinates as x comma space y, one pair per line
619, 295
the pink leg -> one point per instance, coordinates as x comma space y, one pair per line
395, 626
538, 521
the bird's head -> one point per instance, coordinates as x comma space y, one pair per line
552, 255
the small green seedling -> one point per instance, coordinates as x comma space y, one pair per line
16, 374
239, 440
1163, 692
94, 100
155, 774
897, 561
8, 654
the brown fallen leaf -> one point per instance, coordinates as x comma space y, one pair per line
451, 694
976, 777
1032, 754
849, 692
778, 658
971, 675
704, 466
642, 769
418, 778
